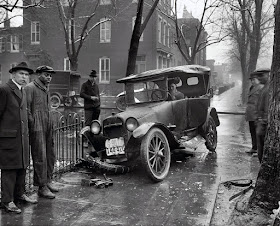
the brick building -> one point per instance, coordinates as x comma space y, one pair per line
41, 40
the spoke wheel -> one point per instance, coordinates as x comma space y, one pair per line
155, 154
121, 103
211, 135
55, 101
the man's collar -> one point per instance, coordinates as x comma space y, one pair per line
18, 85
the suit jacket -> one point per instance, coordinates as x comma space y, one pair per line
251, 108
14, 137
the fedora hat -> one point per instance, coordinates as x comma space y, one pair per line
93, 73
44, 68
21, 66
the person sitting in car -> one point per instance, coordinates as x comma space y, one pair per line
175, 94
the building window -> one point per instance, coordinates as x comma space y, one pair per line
105, 2
159, 29
104, 70
133, 23
105, 31
159, 66
140, 64
35, 32
15, 43
66, 64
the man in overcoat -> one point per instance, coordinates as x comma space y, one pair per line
41, 131
262, 109
14, 140
90, 94
251, 110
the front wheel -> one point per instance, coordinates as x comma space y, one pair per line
155, 154
211, 135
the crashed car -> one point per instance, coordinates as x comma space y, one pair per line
156, 126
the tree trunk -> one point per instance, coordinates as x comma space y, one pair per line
267, 193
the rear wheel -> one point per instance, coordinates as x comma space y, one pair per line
121, 103
211, 135
155, 154
55, 101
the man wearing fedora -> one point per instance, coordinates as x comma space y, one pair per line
41, 131
251, 110
90, 94
14, 140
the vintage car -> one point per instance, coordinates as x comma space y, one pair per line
153, 127
64, 88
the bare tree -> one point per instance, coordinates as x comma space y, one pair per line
249, 22
74, 22
134, 43
188, 29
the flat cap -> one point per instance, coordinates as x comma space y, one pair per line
44, 68
260, 71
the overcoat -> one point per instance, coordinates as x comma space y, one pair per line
14, 140
89, 89
251, 108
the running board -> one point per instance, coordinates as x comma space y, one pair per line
189, 146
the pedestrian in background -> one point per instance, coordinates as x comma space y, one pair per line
262, 109
251, 109
90, 94
41, 131
14, 140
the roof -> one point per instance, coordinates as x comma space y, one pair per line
157, 73
72, 73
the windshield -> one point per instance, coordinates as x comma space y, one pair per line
150, 91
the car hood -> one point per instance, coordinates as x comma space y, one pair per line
145, 112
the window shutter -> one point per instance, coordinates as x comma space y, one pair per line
20, 42
8, 43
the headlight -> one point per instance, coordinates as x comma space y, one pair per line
131, 124
95, 127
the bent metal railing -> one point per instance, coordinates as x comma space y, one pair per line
68, 144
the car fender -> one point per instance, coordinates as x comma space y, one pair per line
213, 113
142, 129
58, 94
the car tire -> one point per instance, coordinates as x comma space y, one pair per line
155, 154
121, 103
55, 101
210, 135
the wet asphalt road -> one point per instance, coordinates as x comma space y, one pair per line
186, 197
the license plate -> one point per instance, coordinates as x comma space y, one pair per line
115, 146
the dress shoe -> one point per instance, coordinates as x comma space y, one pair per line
45, 193
25, 198
52, 187
11, 207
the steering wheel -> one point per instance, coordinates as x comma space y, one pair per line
157, 94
